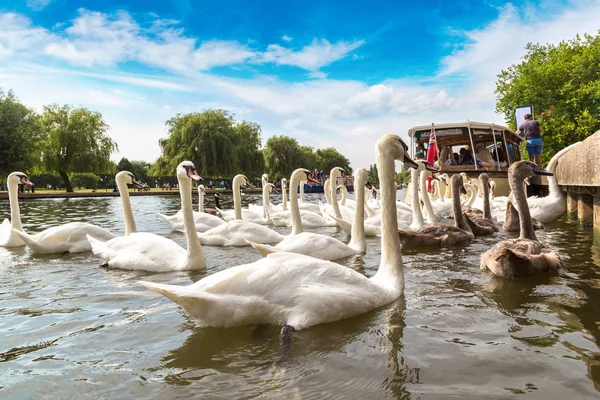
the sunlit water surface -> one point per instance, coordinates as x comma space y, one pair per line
72, 329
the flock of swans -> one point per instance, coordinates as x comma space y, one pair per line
295, 284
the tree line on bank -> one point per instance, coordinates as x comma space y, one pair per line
67, 146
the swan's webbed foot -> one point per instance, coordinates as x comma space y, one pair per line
285, 337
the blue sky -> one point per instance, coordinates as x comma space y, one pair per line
327, 73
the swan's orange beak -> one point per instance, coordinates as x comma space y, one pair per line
136, 183
26, 181
191, 173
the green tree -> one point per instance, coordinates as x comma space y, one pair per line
403, 176
330, 158
309, 158
124, 165
282, 156
77, 142
213, 141
21, 136
373, 176
140, 170
562, 82
248, 156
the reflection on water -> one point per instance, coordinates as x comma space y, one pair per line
71, 328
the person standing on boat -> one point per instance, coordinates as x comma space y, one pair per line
532, 131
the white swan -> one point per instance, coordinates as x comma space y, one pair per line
406, 221
314, 244
309, 218
235, 233
334, 210
303, 205
67, 238
202, 221
150, 252
550, 208
7, 237
299, 291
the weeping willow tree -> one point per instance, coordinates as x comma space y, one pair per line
213, 141
77, 141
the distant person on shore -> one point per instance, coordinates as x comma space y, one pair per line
532, 131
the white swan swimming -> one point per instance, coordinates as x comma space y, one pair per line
150, 252
299, 291
304, 205
202, 221
253, 214
309, 218
7, 237
312, 244
334, 210
550, 208
235, 233
67, 238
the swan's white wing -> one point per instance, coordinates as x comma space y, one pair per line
315, 245
70, 237
236, 232
141, 251
7, 237
309, 207
283, 288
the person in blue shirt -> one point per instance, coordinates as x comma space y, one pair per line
532, 131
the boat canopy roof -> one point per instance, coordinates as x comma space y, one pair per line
458, 133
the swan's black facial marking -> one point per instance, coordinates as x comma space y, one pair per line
403, 144
191, 173
24, 179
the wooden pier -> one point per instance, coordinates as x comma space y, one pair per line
578, 174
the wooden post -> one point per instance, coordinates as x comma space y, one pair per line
585, 211
572, 199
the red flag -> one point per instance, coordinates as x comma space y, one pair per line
431, 155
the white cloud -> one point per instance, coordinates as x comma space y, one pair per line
320, 111
502, 42
95, 39
286, 38
38, 5
312, 57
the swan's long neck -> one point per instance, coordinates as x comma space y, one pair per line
200, 200
414, 198
284, 195
368, 209
391, 270
326, 190
487, 210
127, 212
344, 195
237, 199
194, 249
473, 195
15, 212
334, 200
525, 221
425, 196
459, 220
295, 209
357, 240
265, 201
301, 191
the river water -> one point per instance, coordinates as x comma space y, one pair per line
72, 329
